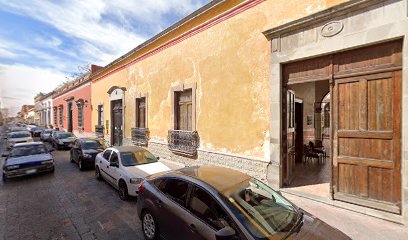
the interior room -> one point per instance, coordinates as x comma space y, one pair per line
312, 166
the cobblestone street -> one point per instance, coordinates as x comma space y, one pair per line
67, 204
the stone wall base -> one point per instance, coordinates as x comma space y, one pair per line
252, 167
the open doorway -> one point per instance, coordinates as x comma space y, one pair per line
311, 168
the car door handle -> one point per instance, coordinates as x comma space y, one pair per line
192, 228
159, 203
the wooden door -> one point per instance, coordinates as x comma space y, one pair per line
366, 121
70, 116
117, 127
367, 127
290, 136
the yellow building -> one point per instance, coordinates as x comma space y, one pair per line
222, 87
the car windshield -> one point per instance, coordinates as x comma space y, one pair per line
19, 135
263, 212
137, 158
92, 144
64, 135
27, 150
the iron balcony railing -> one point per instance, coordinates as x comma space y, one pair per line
185, 142
140, 136
99, 130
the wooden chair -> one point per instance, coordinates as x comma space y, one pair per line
320, 151
309, 155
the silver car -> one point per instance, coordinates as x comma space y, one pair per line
18, 137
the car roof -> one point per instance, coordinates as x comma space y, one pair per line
220, 178
88, 139
17, 132
127, 148
28, 144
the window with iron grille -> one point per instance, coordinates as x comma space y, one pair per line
55, 116
100, 115
141, 112
183, 110
80, 116
60, 115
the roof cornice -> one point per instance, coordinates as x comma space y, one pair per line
330, 13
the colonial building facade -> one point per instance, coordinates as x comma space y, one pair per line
72, 107
270, 87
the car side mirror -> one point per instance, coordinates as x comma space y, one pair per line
114, 164
226, 233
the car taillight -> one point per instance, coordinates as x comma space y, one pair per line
141, 187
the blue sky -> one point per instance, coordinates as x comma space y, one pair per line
42, 42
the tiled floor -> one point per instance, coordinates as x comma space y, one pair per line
312, 179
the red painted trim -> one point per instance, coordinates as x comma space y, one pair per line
189, 34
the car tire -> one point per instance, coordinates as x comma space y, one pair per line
123, 191
80, 165
4, 178
149, 226
98, 173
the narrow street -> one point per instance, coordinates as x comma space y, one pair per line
67, 204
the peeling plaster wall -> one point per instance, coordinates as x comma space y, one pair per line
230, 65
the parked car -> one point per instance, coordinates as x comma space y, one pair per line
63, 140
219, 203
18, 137
15, 129
45, 135
26, 159
84, 151
36, 131
126, 167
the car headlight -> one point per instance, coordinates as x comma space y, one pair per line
47, 162
136, 180
13, 167
87, 155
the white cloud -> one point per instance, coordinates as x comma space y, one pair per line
91, 20
19, 84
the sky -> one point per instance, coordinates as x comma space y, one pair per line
43, 42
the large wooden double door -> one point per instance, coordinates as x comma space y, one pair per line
366, 121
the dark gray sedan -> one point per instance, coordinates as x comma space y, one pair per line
220, 203
26, 159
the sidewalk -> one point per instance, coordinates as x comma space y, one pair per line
355, 225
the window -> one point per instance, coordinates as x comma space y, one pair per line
207, 209
141, 112
60, 116
107, 154
184, 110
175, 189
114, 158
80, 116
100, 115
55, 116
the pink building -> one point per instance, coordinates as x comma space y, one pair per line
72, 108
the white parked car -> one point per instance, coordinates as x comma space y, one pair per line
18, 137
126, 167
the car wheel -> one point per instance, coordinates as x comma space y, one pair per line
81, 167
149, 225
123, 191
98, 173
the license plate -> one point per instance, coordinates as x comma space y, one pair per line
31, 171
